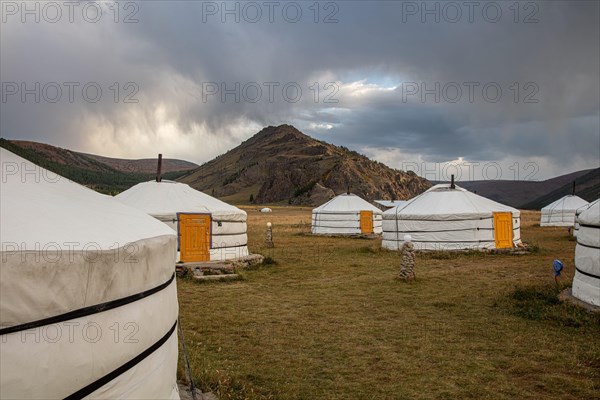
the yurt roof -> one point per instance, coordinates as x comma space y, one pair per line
441, 202
39, 208
391, 203
568, 203
167, 198
346, 202
591, 216
586, 206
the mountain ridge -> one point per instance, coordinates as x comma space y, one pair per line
282, 164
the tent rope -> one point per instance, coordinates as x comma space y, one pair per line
187, 360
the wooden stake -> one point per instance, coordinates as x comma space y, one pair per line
159, 169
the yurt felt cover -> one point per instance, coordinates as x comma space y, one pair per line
341, 215
444, 218
88, 301
562, 211
586, 282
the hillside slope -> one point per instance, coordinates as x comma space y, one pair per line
536, 194
106, 175
587, 186
144, 165
281, 164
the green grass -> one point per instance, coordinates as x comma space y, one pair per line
541, 303
329, 321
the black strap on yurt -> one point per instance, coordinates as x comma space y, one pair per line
85, 311
589, 226
588, 246
587, 273
92, 387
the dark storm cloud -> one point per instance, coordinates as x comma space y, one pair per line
374, 53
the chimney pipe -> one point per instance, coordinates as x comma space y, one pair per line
159, 169
452, 182
573, 188
348, 192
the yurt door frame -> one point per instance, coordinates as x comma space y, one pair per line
194, 232
366, 222
503, 230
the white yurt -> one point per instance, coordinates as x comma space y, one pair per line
448, 217
346, 214
88, 297
586, 282
578, 212
208, 228
562, 211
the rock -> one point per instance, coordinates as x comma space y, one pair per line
321, 194
186, 394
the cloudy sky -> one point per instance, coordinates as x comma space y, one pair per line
491, 87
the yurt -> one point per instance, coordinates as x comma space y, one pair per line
208, 229
346, 214
88, 298
586, 282
578, 212
448, 217
562, 211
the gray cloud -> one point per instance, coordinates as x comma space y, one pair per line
372, 54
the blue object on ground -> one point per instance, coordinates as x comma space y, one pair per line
558, 266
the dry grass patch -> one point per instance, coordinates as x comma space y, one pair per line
328, 321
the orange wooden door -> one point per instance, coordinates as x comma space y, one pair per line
503, 230
194, 237
366, 222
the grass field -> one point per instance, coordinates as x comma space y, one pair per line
328, 320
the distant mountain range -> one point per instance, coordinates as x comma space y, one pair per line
283, 165
106, 175
537, 194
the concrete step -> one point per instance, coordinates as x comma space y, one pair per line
224, 277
